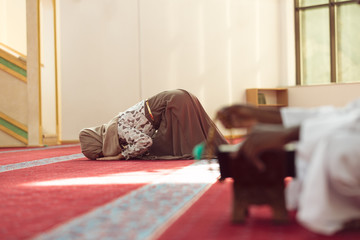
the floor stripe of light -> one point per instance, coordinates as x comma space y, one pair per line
34, 163
141, 213
39, 148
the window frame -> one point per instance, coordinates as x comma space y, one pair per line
332, 5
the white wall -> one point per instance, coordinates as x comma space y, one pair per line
331, 94
113, 53
13, 24
116, 52
99, 61
214, 48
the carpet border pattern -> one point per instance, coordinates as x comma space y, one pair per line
142, 212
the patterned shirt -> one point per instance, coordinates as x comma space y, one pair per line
135, 131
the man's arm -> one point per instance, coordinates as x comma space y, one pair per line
246, 116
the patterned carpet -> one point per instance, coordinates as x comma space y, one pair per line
56, 193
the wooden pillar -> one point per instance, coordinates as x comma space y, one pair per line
33, 73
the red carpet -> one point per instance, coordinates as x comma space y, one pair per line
210, 218
56, 193
16, 155
37, 198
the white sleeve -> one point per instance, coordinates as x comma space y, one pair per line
292, 116
325, 125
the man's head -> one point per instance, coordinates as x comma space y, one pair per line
91, 143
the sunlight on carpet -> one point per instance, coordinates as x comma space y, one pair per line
190, 175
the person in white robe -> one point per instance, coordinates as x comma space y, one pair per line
326, 190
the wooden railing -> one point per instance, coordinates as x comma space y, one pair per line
13, 128
13, 62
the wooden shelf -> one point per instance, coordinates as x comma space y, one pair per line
267, 97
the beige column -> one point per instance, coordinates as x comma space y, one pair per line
33, 73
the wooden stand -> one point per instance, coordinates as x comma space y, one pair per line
253, 187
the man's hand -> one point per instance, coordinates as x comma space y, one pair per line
259, 141
117, 157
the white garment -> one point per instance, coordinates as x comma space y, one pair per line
326, 191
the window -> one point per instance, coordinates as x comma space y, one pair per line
327, 41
